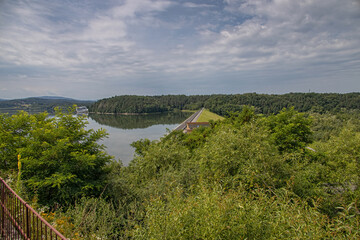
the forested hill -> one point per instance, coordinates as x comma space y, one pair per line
221, 103
40, 104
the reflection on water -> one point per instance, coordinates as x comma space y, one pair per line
125, 129
139, 121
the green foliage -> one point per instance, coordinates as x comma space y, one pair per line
239, 118
14, 131
290, 130
342, 155
160, 158
218, 214
141, 146
306, 174
327, 125
197, 137
343, 152
88, 218
61, 161
94, 219
237, 155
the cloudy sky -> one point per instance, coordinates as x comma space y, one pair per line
89, 49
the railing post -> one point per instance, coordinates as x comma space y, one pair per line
28, 229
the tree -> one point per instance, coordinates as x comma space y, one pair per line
13, 131
290, 130
61, 160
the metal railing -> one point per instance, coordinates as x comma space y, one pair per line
20, 221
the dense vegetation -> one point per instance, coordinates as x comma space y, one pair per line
289, 175
222, 104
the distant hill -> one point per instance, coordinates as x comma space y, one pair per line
40, 104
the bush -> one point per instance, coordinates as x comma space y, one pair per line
218, 214
241, 155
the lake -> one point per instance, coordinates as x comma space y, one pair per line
125, 129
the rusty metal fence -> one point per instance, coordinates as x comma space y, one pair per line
20, 221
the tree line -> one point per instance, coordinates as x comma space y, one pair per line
223, 104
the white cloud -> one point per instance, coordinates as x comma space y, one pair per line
280, 31
197, 5
33, 39
132, 7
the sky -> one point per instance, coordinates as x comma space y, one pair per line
87, 49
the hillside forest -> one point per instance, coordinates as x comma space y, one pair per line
279, 175
222, 104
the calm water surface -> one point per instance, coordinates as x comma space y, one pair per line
123, 130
